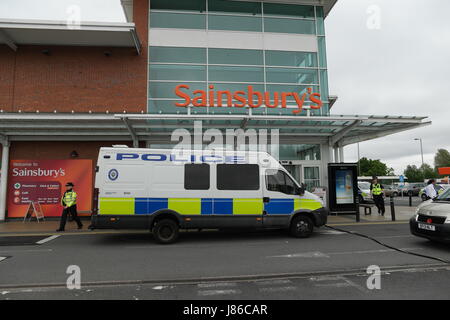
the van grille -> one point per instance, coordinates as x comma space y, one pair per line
435, 220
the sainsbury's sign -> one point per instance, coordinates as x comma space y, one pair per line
241, 99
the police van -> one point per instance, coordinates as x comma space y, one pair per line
168, 190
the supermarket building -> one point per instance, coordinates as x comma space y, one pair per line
67, 90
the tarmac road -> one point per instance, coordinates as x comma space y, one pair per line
215, 265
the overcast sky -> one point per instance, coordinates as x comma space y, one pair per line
392, 63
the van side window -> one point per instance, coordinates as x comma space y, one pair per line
279, 181
196, 176
237, 177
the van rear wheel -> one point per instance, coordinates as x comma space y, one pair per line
165, 231
301, 226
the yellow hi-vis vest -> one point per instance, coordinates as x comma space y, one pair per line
376, 189
69, 198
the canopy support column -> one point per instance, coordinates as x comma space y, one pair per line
4, 177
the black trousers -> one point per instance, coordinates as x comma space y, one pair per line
379, 202
73, 212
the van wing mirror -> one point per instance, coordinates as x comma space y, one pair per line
302, 189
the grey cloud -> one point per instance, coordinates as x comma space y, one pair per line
401, 69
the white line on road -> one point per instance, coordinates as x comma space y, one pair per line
272, 282
333, 232
339, 282
318, 254
277, 289
47, 239
218, 292
314, 254
216, 284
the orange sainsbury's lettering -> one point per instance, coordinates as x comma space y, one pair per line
183, 95
240, 99
318, 102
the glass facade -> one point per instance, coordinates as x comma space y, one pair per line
236, 69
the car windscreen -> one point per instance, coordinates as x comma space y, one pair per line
364, 185
444, 196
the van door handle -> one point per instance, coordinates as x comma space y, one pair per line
266, 199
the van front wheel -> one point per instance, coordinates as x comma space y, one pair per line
165, 231
301, 227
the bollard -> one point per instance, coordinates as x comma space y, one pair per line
410, 199
357, 212
392, 208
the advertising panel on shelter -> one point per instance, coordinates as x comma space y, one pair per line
43, 181
343, 186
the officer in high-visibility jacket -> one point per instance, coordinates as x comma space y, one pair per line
377, 191
69, 202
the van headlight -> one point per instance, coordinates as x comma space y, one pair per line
447, 220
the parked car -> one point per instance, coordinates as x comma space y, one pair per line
391, 191
432, 218
412, 189
438, 187
364, 192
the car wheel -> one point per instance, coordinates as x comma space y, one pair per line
395, 194
410, 193
165, 231
424, 197
301, 227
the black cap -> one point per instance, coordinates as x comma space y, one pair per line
69, 184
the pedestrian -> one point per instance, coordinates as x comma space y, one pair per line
430, 189
69, 202
377, 191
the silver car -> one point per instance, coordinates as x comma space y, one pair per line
432, 219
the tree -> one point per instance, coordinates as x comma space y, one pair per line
413, 174
428, 172
369, 167
442, 158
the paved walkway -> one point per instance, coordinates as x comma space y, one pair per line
18, 227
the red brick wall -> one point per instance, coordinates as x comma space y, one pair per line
76, 78
7, 58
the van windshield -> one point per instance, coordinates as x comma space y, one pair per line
277, 180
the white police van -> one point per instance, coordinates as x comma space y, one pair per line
167, 190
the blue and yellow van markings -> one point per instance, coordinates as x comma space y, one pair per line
204, 206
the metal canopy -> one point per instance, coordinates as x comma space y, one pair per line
337, 130
14, 33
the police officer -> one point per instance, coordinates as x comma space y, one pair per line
430, 189
69, 202
377, 191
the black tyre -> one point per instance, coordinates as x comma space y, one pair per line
165, 231
395, 194
424, 197
301, 226
410, 193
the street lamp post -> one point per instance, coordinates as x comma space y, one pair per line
421, 148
